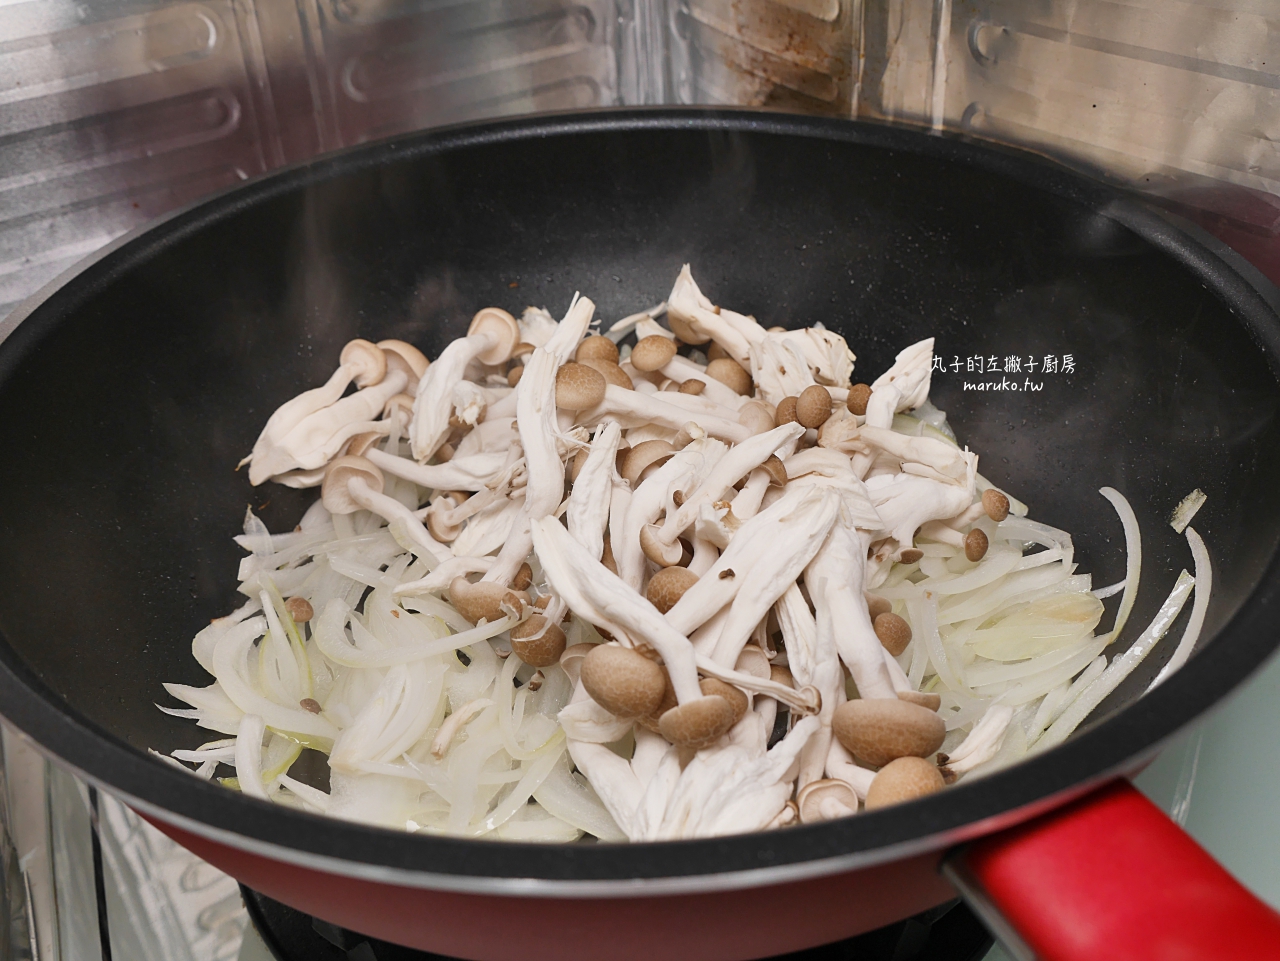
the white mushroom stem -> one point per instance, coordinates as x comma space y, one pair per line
249, 756
595, 593
705, 554
941, 532
799, 635
747, 502
764, 557
805, 700
840, 765
620, 328
588, 511
632, 408
682, 369
453, 724
897, 676
833, 578
434, 401
444, 573
405, 528
460, 474
539, 430
316, 439
982, 742
733, 466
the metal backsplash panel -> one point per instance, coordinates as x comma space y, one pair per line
1177, 99
114, 111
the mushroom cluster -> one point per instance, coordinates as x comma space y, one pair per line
657, 582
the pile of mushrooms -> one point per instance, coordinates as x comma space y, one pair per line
711, 537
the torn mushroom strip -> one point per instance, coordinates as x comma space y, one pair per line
732, 587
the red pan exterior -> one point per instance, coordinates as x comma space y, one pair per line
715, 926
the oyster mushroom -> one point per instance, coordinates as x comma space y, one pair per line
492, 336
290, 442
354, 483
689, 311
588, 510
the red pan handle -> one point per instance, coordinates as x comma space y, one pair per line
1110, 876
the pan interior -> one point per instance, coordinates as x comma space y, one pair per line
126, 401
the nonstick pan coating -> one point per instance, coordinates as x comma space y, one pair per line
129, 392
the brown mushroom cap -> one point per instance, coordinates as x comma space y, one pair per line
730, 373
859, 395
523, 578
596, 347
362, 442
697, 724
579, 387
787, 411
910, 555
825, 800
483, 600
757, 416
877, 605
365, 360
539, 652
903, 779
693, 386
299, 609
653, 720
439, 526
404, 356
930, 701
613, 374
652, 352
334, 494
684, 330
736, 698
622, 681
975, 545
571, 659
715, 351
506, 332
781, 675
664, 555
667, 586
879, 730
776, 470
995, 504
400, 403
514, 375
813, 406
894, 632
643, 456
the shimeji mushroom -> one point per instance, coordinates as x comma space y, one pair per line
826, 800
405, 357
903, 779
674, 411
354, 483
492, 336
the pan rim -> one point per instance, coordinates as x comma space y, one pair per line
1093, 755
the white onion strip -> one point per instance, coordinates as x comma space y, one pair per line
1133, 560
1120, 667
1199, 605
249, 756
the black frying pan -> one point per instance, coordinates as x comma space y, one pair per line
129, 390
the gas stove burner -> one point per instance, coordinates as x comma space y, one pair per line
947, 933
